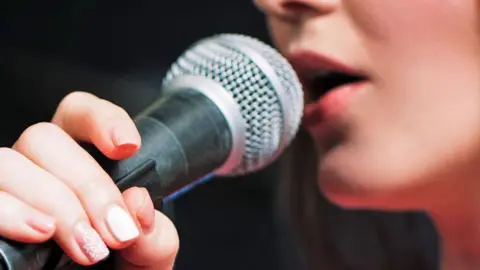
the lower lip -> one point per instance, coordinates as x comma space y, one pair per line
331, 105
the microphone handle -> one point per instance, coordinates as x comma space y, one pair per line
184, 138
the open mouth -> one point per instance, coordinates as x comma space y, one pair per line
321, 74
320, 82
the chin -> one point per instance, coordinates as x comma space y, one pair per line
344, 196
362, 201
355, 194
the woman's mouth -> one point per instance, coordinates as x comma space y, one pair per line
329, 86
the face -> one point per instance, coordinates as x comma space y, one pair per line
402, 116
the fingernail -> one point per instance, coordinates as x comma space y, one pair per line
90, 242
41, 223
121, 224
124, 139
146, 214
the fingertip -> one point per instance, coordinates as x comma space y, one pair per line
27, 234
133, 198
157, 249
42, 224
106, 125
119, 143
146, 213
125, 135
23, 223
87, 246
124, 151
140, 205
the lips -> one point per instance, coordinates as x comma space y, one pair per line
329, 85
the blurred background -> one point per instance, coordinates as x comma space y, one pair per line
120, 50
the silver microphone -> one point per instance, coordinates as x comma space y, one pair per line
229, 105
263, 88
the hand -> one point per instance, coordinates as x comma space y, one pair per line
51, 187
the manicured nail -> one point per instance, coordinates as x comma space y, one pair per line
121, 224
146, 214
123, 138
41, 223
90, 242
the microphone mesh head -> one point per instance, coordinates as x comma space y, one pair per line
261, 82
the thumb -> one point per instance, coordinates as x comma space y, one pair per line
158, 245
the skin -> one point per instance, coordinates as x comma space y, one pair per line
410, 137
46, 159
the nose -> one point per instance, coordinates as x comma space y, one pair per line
296, 8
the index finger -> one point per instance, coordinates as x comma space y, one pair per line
88, 118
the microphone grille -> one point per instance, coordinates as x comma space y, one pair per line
261, 82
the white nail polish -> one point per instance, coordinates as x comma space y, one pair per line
121, 224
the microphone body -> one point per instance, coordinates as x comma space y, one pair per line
228, 106
185, 137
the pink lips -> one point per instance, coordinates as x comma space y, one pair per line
305, 61
336, 101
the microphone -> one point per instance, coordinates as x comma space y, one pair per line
228, 106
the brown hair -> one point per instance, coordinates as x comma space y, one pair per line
330, 237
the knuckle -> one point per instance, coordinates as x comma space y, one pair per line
9, 160
37, 133
75, 102
91, 110
87, 186
63, 204
113, 112
73, 98
11, 164
9, 210
97, 190
7, 154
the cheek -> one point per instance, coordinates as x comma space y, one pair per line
409, 134
399, 35
428, 85
412, 127
395, 151
421, 117
400, 20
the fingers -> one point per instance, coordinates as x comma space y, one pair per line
154, 251
49, 185
140, 205
37, 188
158, 245
53, 150
22, 222
88, 118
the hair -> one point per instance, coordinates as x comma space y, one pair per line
330, 237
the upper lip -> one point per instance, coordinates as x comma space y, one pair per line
307, 62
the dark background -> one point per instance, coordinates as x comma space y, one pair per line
120, 51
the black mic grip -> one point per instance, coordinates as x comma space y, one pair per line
184, 138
